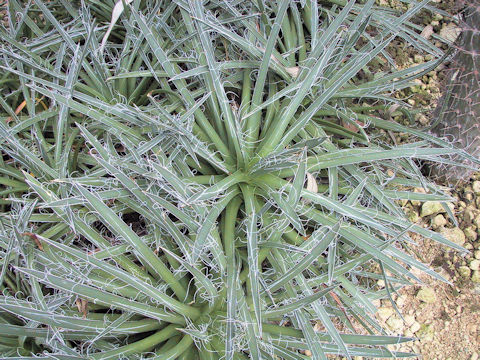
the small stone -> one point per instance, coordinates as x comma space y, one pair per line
426, 295
455, 235
474, 356
409, 320
476, 254
474, 265
415, 327
422, 119
395, 323
438, 221
464, 271
418, 58
470, 234
402, 202
450, 32
413, 216
476, 187
431, 207
427, 31
476, 221
476, 277
469, 214
385, 312
401, 300
425, 332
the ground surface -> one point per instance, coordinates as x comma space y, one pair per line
444, 317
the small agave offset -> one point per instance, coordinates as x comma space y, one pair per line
209, 181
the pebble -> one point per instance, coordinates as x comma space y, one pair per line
425, 332
464, 271
413, 216
469, 214
474, 356
455, 235
401, 300
422, 119
426, 295
450, 32
476, 221
418, 58
470, 234
385, 312
409, 320
395, 323
427, 31
439, 221
476, 254
476, 187
431, 207
476, 277
475, 265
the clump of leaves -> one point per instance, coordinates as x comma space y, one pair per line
200, 183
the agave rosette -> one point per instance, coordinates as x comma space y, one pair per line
208, 185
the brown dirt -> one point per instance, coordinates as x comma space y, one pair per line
450, 327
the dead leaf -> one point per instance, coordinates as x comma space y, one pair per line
93, 252
117, 11
350, 127
311, 183
82, 306
293, 71
35, 239
392, 109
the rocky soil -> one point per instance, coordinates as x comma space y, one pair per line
444, 317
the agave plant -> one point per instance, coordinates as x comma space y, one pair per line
206, 180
